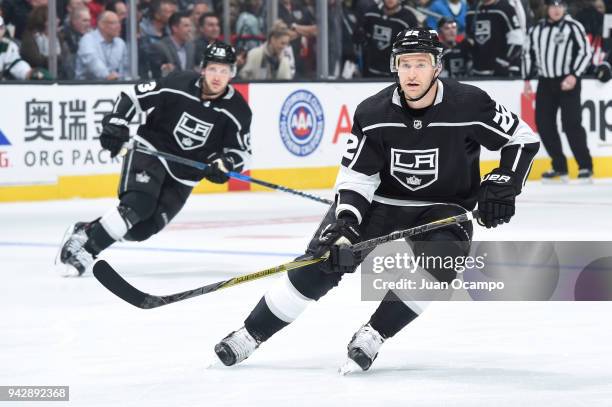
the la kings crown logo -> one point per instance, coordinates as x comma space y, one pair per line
414, 169
483, 31
190, 132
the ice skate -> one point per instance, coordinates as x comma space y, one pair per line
554, 177
236, 347
585, 176
362, 350
72, 255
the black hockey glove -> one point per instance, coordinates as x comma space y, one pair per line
496, 198
218, 167
115, 133
335, 240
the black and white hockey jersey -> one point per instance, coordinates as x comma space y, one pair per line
181, 123
496, 38
457, 62
380, 31
403, 157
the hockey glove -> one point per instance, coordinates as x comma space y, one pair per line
217, 170
603, 72
496, 198
115, 133
334, 241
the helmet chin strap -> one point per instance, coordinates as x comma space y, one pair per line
435, 78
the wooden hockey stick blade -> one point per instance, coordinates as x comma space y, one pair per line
116, 284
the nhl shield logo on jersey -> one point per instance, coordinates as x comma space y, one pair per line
414, 169
301, 123
483, 31
190, 132
417, 124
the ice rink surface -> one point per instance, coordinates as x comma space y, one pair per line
58, 331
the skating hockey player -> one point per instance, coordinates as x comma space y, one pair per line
196, 116
412, 158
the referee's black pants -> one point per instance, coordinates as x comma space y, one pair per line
549, 98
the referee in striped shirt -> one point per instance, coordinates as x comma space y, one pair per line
558, 49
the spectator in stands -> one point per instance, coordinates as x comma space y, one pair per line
176, 52
102, 53
78, 25
71, 5
96, 7
35, 42
188, 5
303, 29
271, 59
209, 31
11, 64
119, 7
250, 31
154, 27
457, 61
16, 12
197, 9
451, 9
381, 25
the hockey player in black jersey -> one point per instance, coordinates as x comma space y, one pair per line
381, 23
496, 38
412, 158
196, 116
457, 60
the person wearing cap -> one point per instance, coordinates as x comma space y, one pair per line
412, 157
557, 51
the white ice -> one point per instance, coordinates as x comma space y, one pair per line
58, 331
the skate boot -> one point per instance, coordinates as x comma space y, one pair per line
236, 347
585, 176
554, 177
72, 253
362, 350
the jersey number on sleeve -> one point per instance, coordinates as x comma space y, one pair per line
351, 146
503, 118
146, 87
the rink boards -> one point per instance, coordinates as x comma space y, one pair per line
49, 147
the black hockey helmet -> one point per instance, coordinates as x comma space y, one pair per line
221, 53
416, 40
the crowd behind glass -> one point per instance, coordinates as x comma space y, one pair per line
172, 34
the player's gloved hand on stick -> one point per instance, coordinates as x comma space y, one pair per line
218, 167
336, 239
496, 198
115, 133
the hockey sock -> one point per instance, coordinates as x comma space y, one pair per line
392, 315
106, 231
278, 308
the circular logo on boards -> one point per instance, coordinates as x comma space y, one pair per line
301, 122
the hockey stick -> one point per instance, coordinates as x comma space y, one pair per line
110, 279
232, 174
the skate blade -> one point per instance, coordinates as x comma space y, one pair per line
349, 367
212, 362
556, 181
584, 181
66, 271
